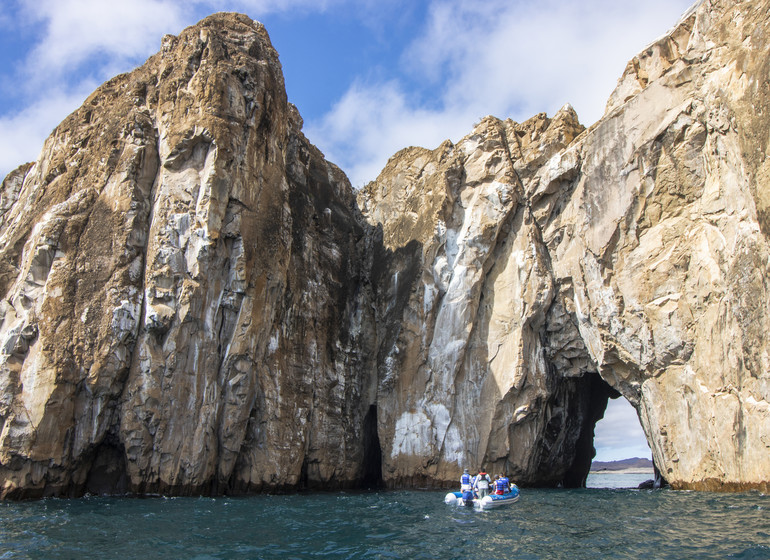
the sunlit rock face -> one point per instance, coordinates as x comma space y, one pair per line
535, 257
195, 301
183, 309
486, 365
670, 221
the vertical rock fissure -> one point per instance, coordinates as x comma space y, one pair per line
371, 472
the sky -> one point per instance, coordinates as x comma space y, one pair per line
619, 434
369, 77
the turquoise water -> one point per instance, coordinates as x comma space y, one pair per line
544, 524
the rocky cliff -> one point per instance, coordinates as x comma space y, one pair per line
195, 301
486, 364
182, 280
553, 267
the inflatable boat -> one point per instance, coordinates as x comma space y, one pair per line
487, 502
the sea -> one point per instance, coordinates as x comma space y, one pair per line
591, 523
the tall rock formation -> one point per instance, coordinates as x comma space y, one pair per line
636, 250
675, 274
195, 301
182, 294
485, 365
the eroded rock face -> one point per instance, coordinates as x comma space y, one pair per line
673, 265
195, 301
485, 366
183, 309
637, 250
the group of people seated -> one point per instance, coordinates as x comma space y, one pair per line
481, 484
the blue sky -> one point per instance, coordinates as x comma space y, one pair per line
369, 76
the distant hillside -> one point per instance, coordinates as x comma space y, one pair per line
633, 463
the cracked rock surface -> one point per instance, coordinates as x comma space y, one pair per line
182, 287
635, 250
195, 301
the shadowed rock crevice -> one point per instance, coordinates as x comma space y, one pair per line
371, 476
107, 474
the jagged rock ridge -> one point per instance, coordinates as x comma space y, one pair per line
195, 302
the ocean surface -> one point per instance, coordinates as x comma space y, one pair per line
545, 524
610, 479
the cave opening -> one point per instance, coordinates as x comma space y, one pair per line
371, 475
107, 473
621, 444
618, 435
597, 392
610, 433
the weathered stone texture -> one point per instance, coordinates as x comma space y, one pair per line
195, 301
636, 249
465, 379
672, 267
186, 287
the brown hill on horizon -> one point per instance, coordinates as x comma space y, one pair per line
632, 463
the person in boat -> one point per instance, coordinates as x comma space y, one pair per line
481, 484
511, 485
502, 485
466, 483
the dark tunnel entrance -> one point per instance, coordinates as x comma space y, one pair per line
595, 397
610, 433
371, 476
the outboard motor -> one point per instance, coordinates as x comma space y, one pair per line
468, 498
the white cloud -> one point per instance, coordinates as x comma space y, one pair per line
525, 57
77, 30
372, 122
509, 59
81, 44
619, 434
22, 134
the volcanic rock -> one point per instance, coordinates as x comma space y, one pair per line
636, 250
194, 301
183, 300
